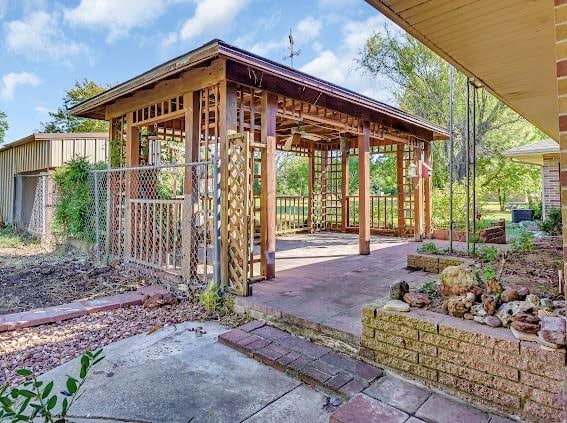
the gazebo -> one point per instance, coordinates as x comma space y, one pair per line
219, 98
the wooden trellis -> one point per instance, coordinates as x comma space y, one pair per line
236, 213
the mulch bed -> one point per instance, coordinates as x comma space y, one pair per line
42, 348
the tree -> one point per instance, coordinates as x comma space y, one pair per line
62, 121
3, 126
421, 86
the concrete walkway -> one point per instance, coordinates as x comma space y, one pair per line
174, 376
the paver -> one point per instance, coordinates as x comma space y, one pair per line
441, 409
398, 393
364, 409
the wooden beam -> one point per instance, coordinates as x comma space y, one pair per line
427, 191
268, 197
364, 190
344, 183
131, 180
400, 185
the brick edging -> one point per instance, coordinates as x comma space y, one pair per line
55, 314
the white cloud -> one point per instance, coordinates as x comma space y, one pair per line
13, 80
38, 35
210, 15
43, 110
3, 8
116, 16
307, 29
326, 66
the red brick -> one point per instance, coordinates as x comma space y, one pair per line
312, 376
338, 381
254, 324
363, 409
354, 387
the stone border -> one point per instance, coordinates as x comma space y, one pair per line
434, 263
55, 314
486, 366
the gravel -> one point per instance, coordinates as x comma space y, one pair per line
42, 348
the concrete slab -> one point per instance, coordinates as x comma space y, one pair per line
398, 393
440, 409
364, 409
174, 376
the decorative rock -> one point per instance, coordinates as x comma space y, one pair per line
478, 310
525, 322
489, 304
553, 330
468, 316
559, 304
542, 312
478, 319
494, 286
470, 297
523, 336
492, 321
456, 306
159, 299
533, 300
508, 310
396, 305
509, 295
398, 289
546, 303
559, 312
523, 291
457, 280
417, 299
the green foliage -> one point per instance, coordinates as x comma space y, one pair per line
487, 253
552, 225
10, 238
3, 126
440, 206
211, 298
430, 288
523, 243
35, 399
62, 121
73, 215
428, 248
489, 273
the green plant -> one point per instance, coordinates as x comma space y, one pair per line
428, 248
523, 243
211, 298
35, 400
552, 225
430, 288
487, 253
73, 214
10, 238
489, 273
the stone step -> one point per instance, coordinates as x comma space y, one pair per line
314, 364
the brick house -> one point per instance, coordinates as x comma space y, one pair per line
546, 155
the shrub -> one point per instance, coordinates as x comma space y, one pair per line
488, 253
35, 400
552, 225
489, 273
523, 243
211, 298
430, 288
428, 248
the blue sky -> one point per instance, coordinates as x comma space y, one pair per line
47, 45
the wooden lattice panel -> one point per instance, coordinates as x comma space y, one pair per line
237, 203
408, 187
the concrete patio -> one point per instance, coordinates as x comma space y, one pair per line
321, 280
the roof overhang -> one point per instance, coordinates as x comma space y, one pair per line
46, 136
507, 45
94, 107
533, 153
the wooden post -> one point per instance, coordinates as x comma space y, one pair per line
268, 197
427, 188
417, 195
364, 190
400, 184
344, 181
131, 180
310, 199
192, 103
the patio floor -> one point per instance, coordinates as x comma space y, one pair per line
321, 279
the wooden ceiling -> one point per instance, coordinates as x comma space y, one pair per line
508, 45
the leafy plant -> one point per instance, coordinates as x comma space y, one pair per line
552, 225
487, 253
489, 273
35, 398
523, 243
10, 238
430, 288
428, 248
211, 298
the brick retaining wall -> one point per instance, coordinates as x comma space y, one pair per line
432, 263
487, 366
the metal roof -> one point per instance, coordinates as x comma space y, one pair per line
40, 136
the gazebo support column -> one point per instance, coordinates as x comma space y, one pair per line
268, 198
400, 185
427, 187
311, 172
132, 159
344, 184
364, 190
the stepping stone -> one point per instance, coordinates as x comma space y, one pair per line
396, 305
398, 393
441, 409
363, 409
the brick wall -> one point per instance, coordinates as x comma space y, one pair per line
432, 263
551, 195
484, 365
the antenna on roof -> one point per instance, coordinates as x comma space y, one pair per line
292, 51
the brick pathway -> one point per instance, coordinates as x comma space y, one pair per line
372, 394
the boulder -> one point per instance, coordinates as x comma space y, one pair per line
396, 305
508, 310
523, 291
532, 299
546, 303
493, 286
525, 322
159, 299
417, 299
456, 306
492, 321
509, 295
478, 310
458, 280
490, 304
398, 289
553, 330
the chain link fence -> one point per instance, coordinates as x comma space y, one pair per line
164, 218
33, 198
